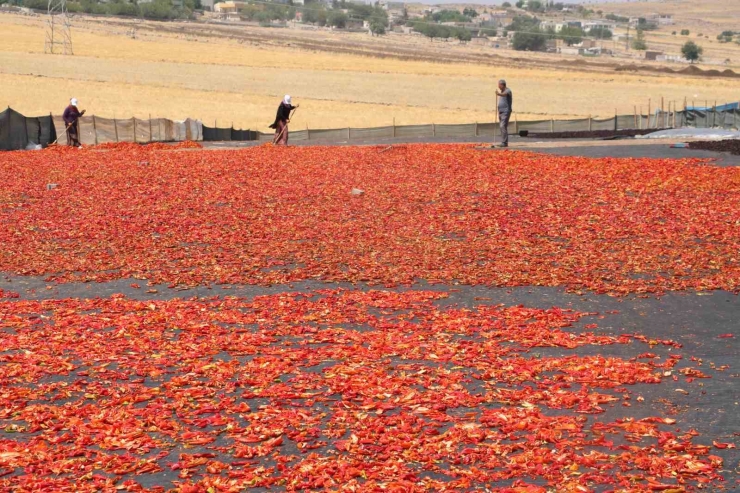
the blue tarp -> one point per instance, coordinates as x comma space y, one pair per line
720, 107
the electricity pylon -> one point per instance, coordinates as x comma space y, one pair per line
58, 29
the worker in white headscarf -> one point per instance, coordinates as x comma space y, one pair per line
282, 119
71, 119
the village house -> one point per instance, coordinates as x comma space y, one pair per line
588, 25
499, 18
558, 26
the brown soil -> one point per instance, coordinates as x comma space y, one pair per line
692, 70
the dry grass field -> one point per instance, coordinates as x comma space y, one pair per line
705, 20
710, 16
169, 71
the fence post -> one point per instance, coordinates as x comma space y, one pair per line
394, 127
616, 120
667, 116
552, 125
434, 130
476, 129
635, 109
349, 133
95, 130
134, 119
714, 114
706, 113
25, 124
150, 128
115, 126
662, 110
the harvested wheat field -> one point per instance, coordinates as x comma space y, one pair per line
238, 75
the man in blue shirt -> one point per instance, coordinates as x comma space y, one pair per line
505, 107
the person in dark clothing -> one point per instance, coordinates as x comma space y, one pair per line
505, 106
71, 119
281, 121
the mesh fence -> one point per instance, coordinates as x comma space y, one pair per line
658, 120
16, 130
97, 130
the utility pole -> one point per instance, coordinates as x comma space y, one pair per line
58, 29
628, 38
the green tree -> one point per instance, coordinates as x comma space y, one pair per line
644, 25
124, 8
685, 32
378, 25
469, 12
726, 36
571, 35
158, 9
519, 4
315, 15
337, 18
691, 51
449, 16
506, 5
535, 6
527, 34
600, 32
639, 42
463, 35
490, 31
263, 17
617, 18
250, 11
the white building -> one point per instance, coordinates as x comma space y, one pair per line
558, 26
588, 25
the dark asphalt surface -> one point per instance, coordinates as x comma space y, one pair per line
657, 150
696, 320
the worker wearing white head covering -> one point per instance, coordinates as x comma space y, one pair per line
282, 119
71, 119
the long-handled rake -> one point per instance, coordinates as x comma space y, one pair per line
496, 121
280, 135
66, 131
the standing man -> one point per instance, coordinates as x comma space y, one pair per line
281, 121
505, 100
71, 119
